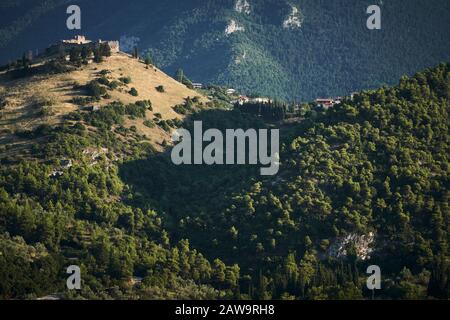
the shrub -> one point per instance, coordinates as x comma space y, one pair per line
149, 123
74, 116
56, 67
43, 129
126, 80
94, 89
106, 116
98, 58
105, 50
145, 103
176, 123
113, 85
136, 110
46, 101
79, 127
180, 109
104, 72
133, 92
164, 125
46, 111
103, 80
160, 89
82, 101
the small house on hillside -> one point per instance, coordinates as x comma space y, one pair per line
325, 103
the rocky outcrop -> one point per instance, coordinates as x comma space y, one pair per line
233, 27
361, 243
294, 20
243, 6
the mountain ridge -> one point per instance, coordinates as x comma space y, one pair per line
327, 52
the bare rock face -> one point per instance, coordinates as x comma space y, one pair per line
362, 244
294, 20
233, 27
243, 6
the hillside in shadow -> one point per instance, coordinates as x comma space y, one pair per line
185, 192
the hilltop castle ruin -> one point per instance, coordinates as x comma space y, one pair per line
83, 41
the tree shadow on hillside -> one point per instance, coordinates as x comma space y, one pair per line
190, 190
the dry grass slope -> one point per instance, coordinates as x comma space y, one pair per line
28, 102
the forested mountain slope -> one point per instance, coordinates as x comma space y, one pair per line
297, 49
65, 128
363, 183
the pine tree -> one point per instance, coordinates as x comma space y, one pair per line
25, 62
148, 60
438, 286
179, 75
105, 50
98, 58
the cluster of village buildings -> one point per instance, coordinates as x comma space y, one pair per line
243, 99
320, 102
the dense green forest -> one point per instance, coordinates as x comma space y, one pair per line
81, 216
375, 166
329, 53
